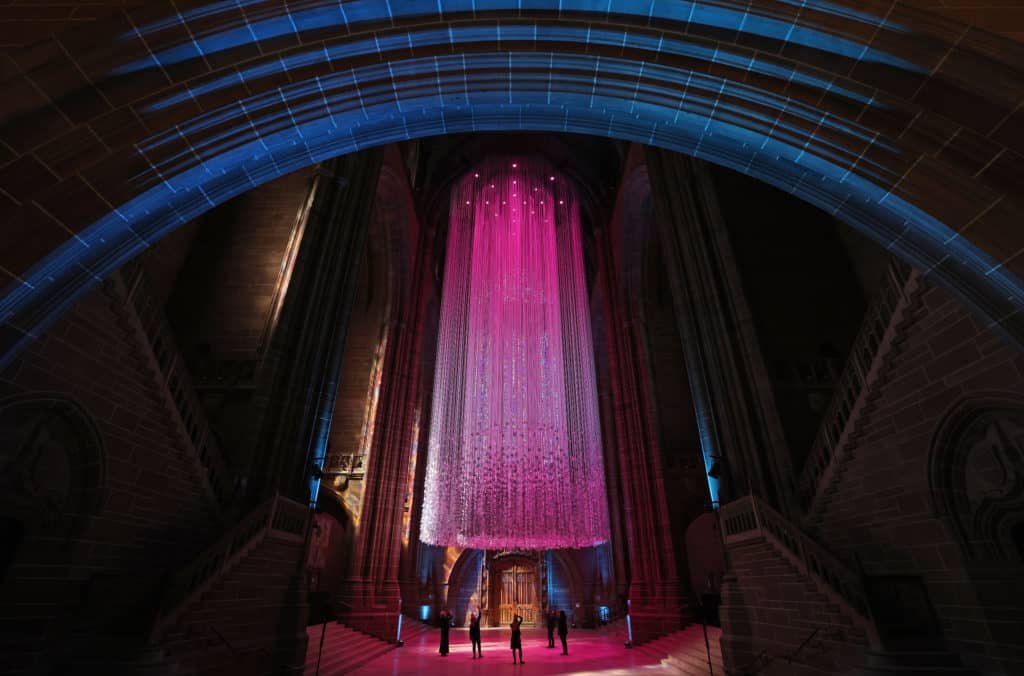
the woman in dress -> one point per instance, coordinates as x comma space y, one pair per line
517, 639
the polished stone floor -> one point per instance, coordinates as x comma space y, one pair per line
590, 652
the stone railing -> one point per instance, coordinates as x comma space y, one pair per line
283, 518
749, 518
877, 336
189, 416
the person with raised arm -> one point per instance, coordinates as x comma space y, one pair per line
474, 634
517, 638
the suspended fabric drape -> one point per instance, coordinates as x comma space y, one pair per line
515, 450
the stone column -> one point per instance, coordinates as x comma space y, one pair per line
602, 341
298, 378
731, 390
634, 470
416, 554
372, 599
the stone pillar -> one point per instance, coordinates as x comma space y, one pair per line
415, 554
372, 599
298, 378
731, 390
618, 542
635, 481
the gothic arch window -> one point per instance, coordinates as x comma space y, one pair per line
977, 476
51, 466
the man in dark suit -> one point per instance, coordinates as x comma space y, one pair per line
552, 622
563, 631
446, 623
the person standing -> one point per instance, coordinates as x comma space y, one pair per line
552, 622
517, 639
563, 631
474, 635
446, 624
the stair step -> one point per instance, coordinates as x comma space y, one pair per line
344, 649
913, 659
908, 671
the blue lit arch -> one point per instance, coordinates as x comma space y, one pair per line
804, 95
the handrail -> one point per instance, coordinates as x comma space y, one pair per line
261, 650
749, 517
759, 663
874, 341
189, 414
286, 518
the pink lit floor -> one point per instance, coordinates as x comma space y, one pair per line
591, 652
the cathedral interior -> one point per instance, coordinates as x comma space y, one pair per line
330, 327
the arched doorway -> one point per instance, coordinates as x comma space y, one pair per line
976, 479
514, 586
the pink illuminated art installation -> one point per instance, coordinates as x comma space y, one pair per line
515, 448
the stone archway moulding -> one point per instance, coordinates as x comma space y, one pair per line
974, 472
903, 124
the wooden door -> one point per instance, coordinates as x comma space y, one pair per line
518, 592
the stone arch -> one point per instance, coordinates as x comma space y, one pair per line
464, 577
331, 537
52, 466
564, 566
870, 110
976, 475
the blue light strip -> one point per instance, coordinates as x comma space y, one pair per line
108, 243
348, 17
665, 98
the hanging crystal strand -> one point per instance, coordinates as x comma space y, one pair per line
514, 454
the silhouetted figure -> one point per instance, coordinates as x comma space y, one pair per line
474, 635
563, 631
517, 639
552, 623
446, 624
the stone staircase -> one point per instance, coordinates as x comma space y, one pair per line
232, 608
878, 341
238, 616
344, 649
791, 607
144, 320
235, 627
788, 607
685, 652
789, 600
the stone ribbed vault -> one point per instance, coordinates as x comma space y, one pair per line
902, 123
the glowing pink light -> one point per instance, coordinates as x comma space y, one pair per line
515, 450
